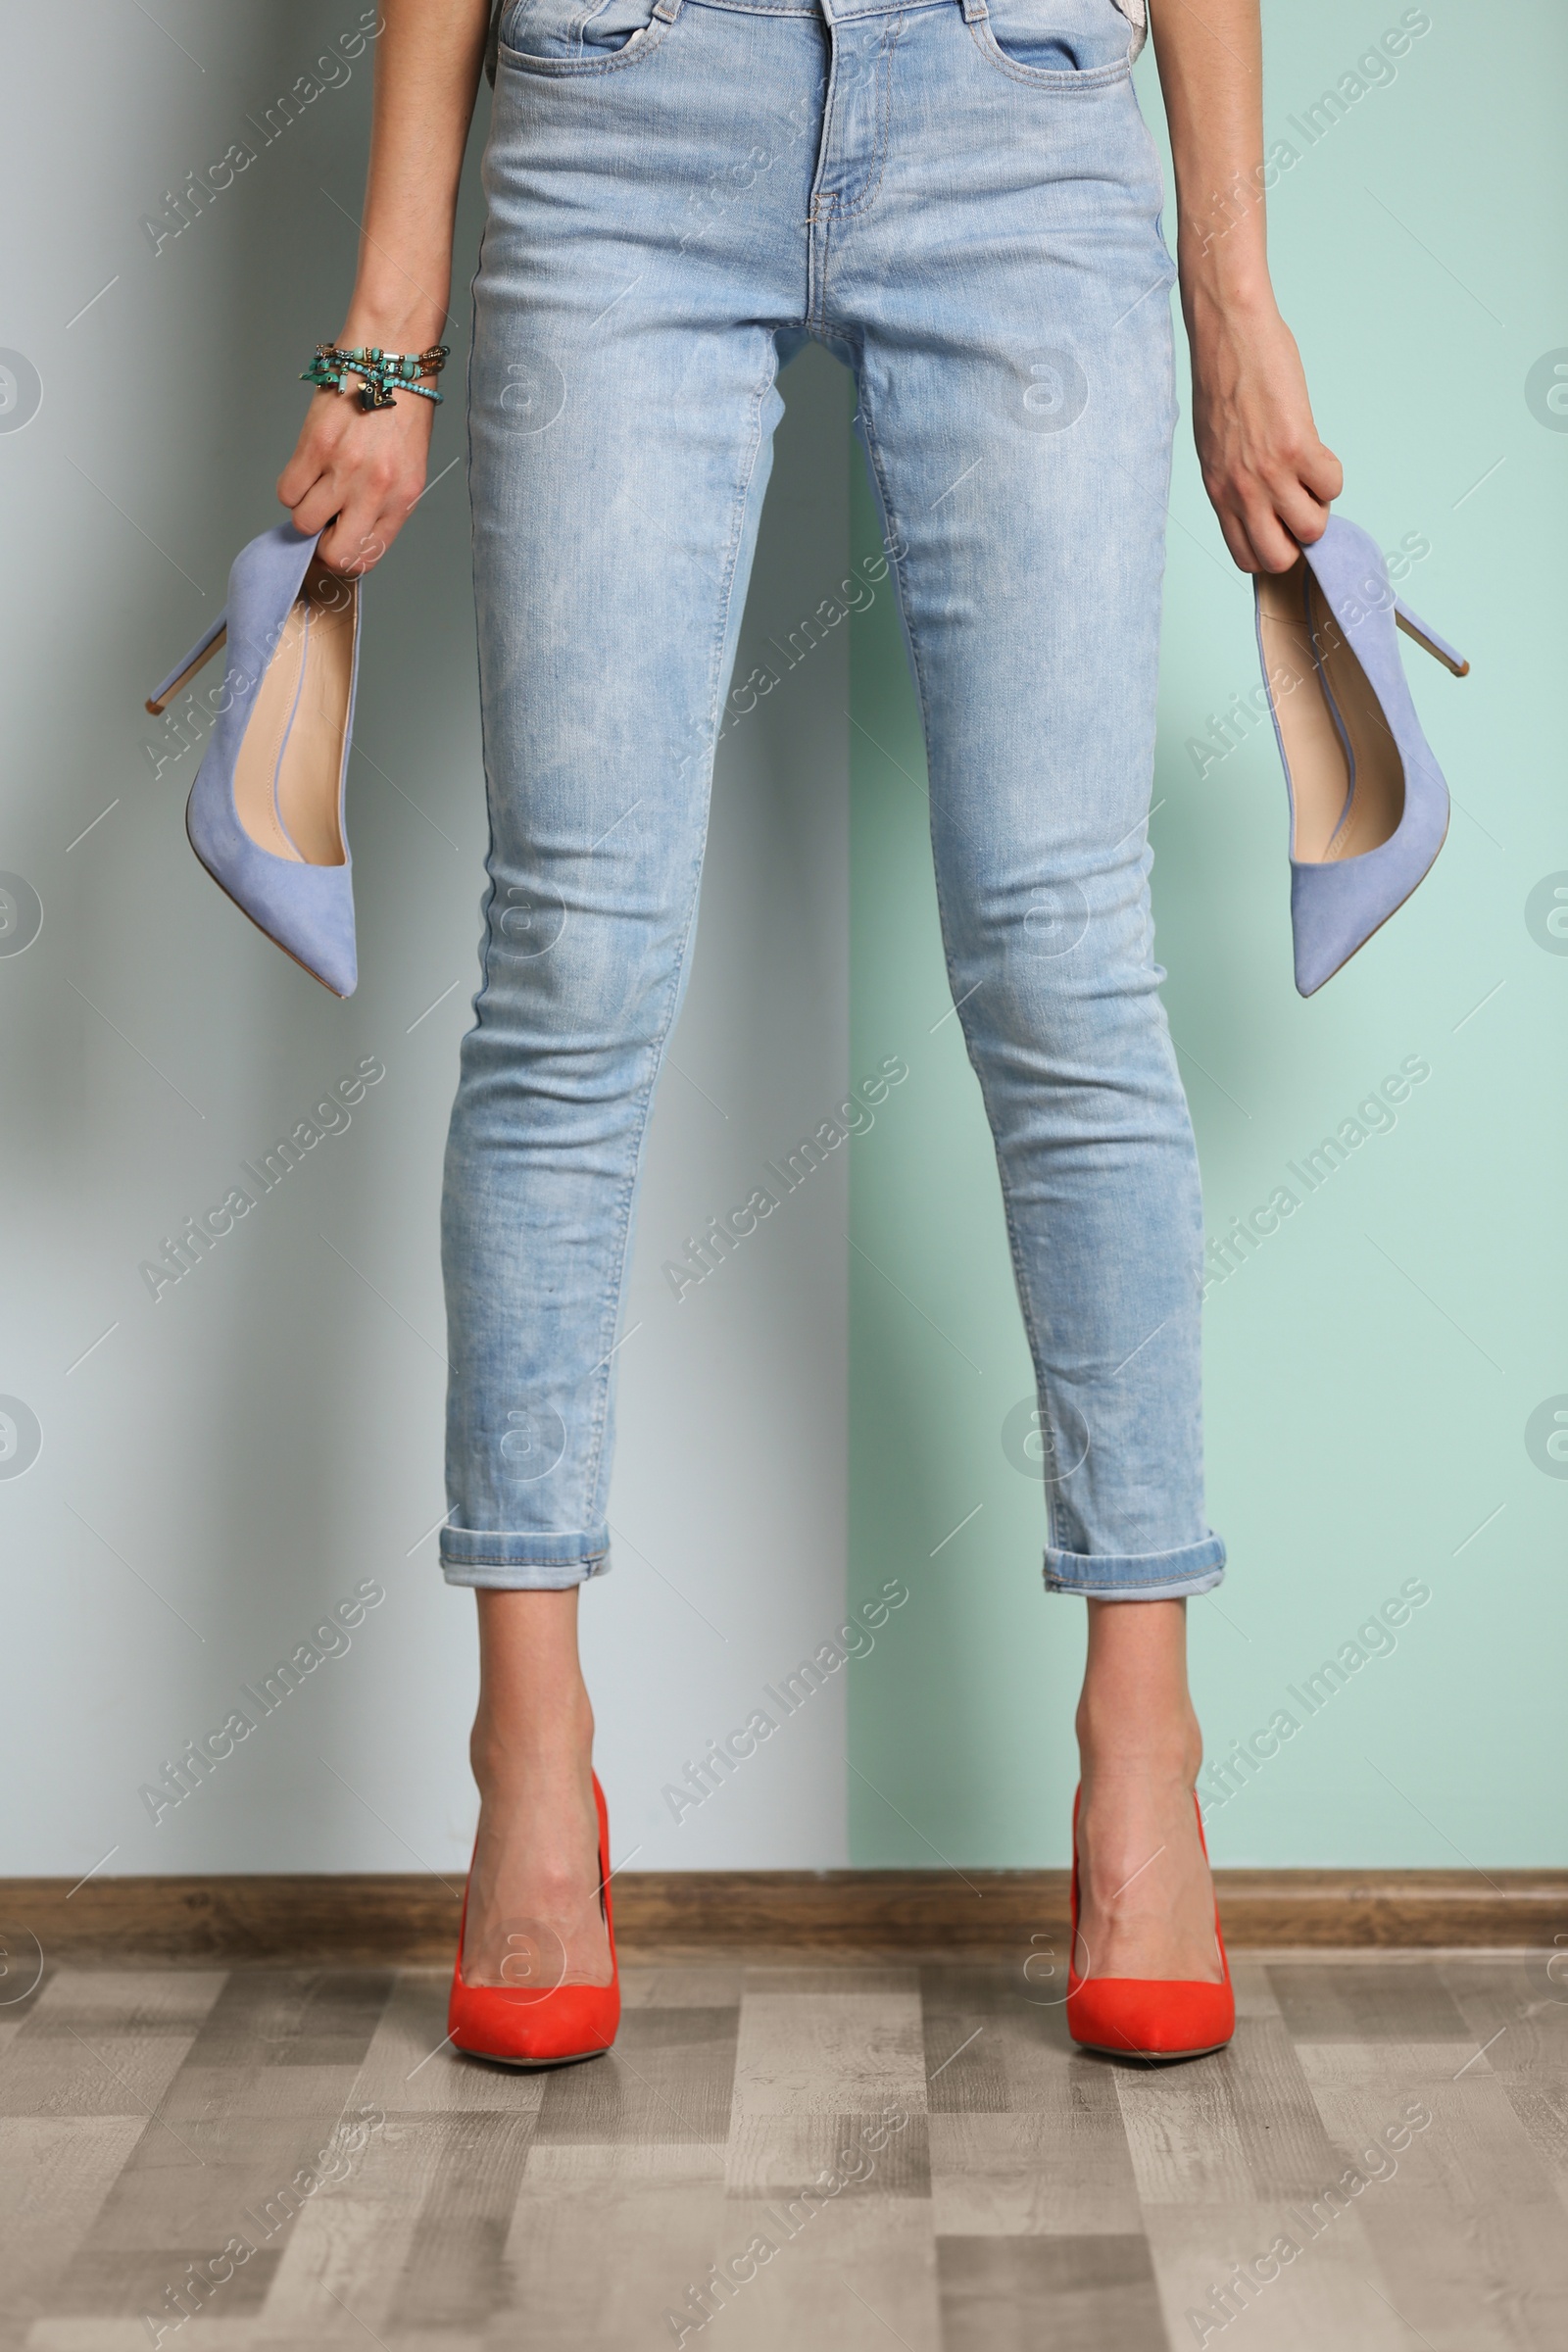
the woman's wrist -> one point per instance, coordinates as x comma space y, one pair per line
1215, 298
1222, 254
392, 326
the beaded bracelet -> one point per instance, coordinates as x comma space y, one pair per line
381, 374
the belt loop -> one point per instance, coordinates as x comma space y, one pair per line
974, 11
667, 11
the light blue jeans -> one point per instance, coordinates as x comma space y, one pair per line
961, 203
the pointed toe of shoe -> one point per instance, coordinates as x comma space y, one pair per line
575, 2020
308, 910
331, 956
1336, 908
1323, 935
1132, 2016
313, 921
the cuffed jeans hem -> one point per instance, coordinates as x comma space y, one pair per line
1137, 1576
502, 1563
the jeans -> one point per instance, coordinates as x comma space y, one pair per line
963, 204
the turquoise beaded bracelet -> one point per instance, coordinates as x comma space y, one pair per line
382, 374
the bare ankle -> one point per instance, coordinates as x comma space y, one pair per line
502, 1755
1150, 1749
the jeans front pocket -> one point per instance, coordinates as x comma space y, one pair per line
1058, 44
576, 36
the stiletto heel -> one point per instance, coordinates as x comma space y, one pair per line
1149, 2016
266, 812
179, 680
1369, 808
521, 2028
1437, 647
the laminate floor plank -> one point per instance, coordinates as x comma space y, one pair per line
1184, 2133
1077, 2295
1250, 1981
338, 2274
1283, 2141
343, 2255
1070, 2171
669, 2077
1363, 2001
201, 2199
1516, 2005
1467, 2229
810, 2044
1059, 2171
606, 2239
137, 2283
294, 2017
132, 2335
693, 1987
859, 2272
202, 2097
996, 2040
965, 2055
55, 2172
453, 2276
89, 2072
1327, 2296
886, 2153
125, 2000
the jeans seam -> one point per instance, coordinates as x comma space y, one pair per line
823, 209
893, 26
488, 895
483, 1560
1158, 1575
483, 988
617, 1284
1025, 1302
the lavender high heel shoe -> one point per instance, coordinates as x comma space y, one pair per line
1369, 808
266, 811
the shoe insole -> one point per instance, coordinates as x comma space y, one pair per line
288, 777
1347, 777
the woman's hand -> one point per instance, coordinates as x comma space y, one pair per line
1269, 475
359, 471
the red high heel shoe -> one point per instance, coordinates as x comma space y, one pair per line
1148, 2016
523, 2028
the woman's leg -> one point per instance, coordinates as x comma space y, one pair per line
642, 250
534, 1912
1147, 1907
997, 275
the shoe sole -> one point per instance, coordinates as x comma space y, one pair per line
1108, 2049
251, 919
533, 2066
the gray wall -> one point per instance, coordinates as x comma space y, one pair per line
219, 1467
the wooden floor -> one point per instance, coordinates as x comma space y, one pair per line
304, 2141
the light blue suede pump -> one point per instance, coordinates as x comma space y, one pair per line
266, 811
1369, 808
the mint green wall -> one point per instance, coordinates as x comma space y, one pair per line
1372, 1368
